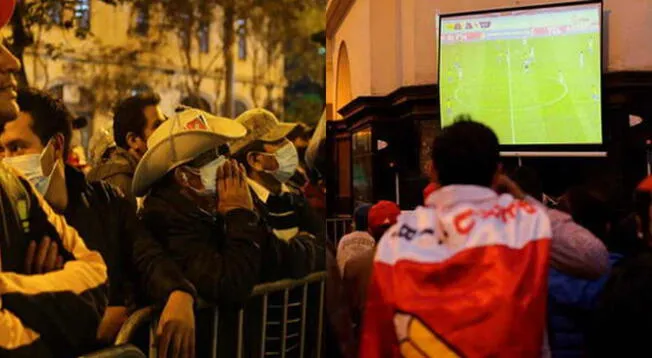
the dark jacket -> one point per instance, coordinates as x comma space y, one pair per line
295, 258
55, 314
299, 256
137, 264
571, 302
117, 168
220, 255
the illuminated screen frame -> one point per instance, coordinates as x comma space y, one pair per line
542, 150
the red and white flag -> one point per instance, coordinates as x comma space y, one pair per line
465, 278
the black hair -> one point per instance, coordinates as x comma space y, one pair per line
466, 152
591, 209
241, 155
129, 116
361, 216
49, 116
528, 179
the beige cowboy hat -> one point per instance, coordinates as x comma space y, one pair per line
179, 140
261, 125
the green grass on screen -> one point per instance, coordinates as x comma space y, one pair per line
554, 101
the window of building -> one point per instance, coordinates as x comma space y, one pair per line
184, 32
204, 36
55, 10
83, 14
241, 26
142, 20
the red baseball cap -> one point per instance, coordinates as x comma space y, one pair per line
383, 214
6, 10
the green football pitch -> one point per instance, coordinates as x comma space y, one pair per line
542, 90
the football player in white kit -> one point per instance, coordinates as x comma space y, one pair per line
581, 59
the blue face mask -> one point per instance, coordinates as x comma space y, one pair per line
208, 175
30, 166
288, 161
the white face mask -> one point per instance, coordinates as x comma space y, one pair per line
288, 161
30, 166
208, 175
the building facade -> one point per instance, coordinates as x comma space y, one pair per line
125, 53
382, 93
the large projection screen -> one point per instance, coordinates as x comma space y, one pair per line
533, 74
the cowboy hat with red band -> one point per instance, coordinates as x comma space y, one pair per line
6, 10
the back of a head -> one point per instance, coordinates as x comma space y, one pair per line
128, 116
590, 209
381, 217
50, 116
360, 216
528, 179
466, 153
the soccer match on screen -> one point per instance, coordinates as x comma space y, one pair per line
533, 76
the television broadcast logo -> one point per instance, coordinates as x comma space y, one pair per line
467, 25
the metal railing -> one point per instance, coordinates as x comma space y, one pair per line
288, 288
337, 227
120, 351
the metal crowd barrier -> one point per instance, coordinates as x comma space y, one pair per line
120, 351
149, 315
337, 227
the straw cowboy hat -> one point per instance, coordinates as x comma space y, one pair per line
261, 125
6, 10
179, 140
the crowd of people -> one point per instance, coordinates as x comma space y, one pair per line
491, 266
178, 210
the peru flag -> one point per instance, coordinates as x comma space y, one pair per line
460, 278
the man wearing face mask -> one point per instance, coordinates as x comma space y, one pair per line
271, 160
35, 144
134, 120
294, 232
197, 201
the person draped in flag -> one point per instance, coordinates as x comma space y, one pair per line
466, 275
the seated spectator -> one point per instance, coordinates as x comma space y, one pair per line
199, 205
575, 250
36, 143
185, 203
357, 269
270, 160
623, 316
465, 275
571, 300
73, 297
134, 121
357, 241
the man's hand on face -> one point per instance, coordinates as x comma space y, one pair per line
176, 328
43, 258
232, 188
